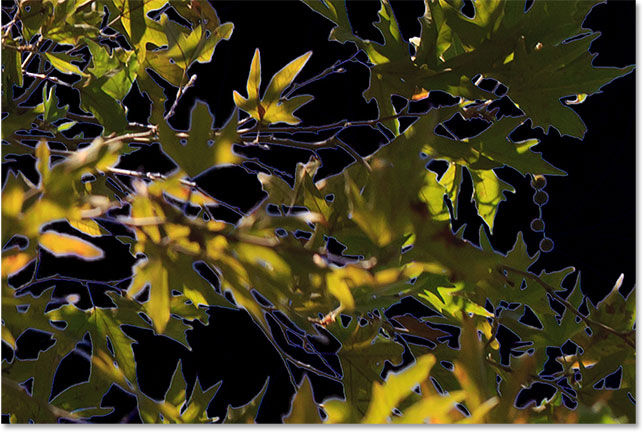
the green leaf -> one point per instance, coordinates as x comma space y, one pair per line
541, 76
49, 106
198, 403
335, 11
198, 154
196, 46
11, 63
116, 72
489, 193
385, 398
362, 356
107, 111
247, 413
304, 409
62, 62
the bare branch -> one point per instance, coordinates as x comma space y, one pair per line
180, 92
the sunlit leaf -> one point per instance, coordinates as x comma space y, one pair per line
489, 193
385, 398
304, 410
247, 413
62, 244
273, 108
62, 62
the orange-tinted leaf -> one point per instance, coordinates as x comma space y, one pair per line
60, 244
13, 263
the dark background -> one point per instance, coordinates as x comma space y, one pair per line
590, 214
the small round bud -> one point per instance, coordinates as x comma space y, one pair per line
539, 181
546, 245
540, 198
537, 225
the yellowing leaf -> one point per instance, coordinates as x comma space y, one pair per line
304, 409
12, 198
13, 263
247, 413
196, 46
7, 336
154, 273
42, 153
488, 192
338, 287
61, 244
223, 146
62, 62
254, 77
433, 408
158, 307
271, 108
87, 226
397, 387
283, 111
283, 78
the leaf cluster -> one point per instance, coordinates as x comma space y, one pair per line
497, 325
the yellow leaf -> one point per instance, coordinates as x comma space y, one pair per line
42, 154
61, 244
254, 77
7, 336
87, 226
42, 212
271, 108
283, 78
432, 408
13, 263
216, 247
283, 111
224, 141
12, 198
158, 307
396, 388
153, 273
337, 285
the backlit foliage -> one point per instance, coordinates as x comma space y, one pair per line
389, 210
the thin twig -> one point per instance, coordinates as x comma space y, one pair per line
31, 53
7, 27
147, 175
33, 86
133, 136
180, 92
340, 124
333, 69
47, 77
